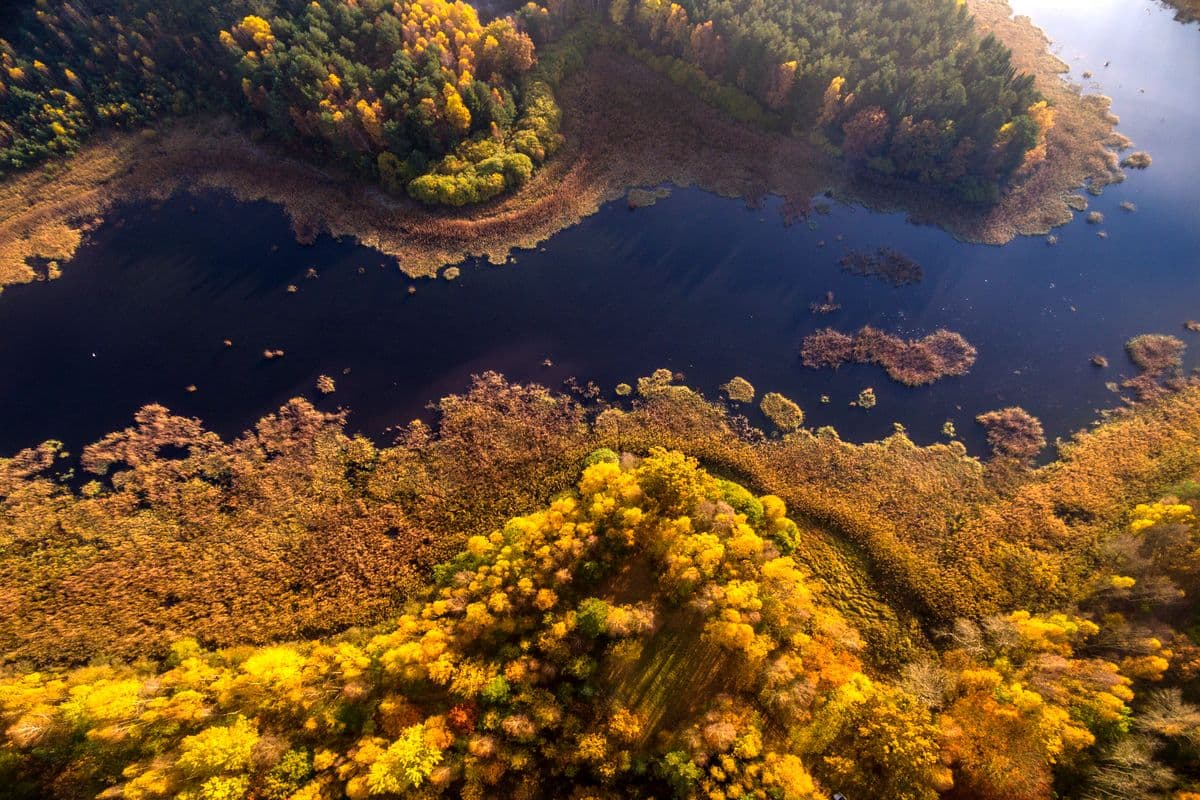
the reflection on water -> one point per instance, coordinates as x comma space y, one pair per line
695, 283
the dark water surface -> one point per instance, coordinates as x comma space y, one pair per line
697, 283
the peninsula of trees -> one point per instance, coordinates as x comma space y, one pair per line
421, 95
505, 131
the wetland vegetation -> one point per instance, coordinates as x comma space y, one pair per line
912, 362
837, 615
619, 588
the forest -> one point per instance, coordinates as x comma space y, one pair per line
638, 601
906, 89
425, 98
419, 95
584, 593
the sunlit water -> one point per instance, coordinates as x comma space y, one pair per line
697, 283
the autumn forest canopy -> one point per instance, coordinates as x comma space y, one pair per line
584, 593
300, 613
425, 97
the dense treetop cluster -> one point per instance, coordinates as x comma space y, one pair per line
395, 86
423, 96
906, 89
648, 634
420, 94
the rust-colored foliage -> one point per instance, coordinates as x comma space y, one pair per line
1156, 352
296, 527
291, 529
1013, 432
913, 362
887, 264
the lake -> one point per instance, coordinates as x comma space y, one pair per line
697, 283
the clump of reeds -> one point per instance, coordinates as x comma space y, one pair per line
827, 348
885, 263
644, 198
828, 306
1013, 432
1139, 160
1156, 352
915, 362
739, 390
785, 414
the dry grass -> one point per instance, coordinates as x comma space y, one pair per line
1156, 352
913, 362
739, 390
890, 266
296, 529
1013, 433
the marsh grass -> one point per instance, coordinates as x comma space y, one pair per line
1156, 352
914, 362
886, 264
1013, 433
739, 390
1138, 160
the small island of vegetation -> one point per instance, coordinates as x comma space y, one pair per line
913, 362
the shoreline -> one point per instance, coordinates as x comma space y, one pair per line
626, 126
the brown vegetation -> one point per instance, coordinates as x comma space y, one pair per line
826, 306
1013, 432
644, 198
297, 528
885, 263
1138, 160
1156, 352
912, 362
827, 348
739, 390
1185, 10
782, 412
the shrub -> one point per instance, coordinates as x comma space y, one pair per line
785, 414
1013, 432
739, 390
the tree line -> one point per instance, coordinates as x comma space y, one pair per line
420, 95
903, 89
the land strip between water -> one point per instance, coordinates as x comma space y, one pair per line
626, 126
